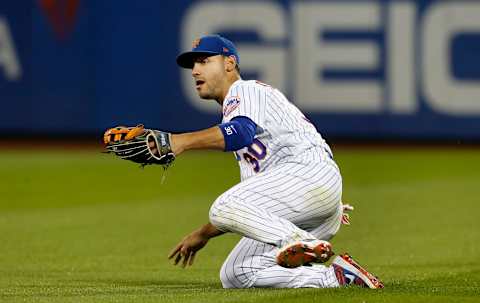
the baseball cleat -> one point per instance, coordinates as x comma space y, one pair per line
304, 252
349, 272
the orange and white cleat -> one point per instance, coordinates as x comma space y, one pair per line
304, 252
349, 272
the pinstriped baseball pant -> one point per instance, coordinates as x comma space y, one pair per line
289, 203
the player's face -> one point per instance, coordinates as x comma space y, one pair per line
209, 75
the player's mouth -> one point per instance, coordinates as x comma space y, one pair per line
199, 83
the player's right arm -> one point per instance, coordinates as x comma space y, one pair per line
188, 247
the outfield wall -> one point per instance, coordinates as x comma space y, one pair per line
398, 69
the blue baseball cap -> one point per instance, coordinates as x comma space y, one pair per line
210, 45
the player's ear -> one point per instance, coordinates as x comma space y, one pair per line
230, 63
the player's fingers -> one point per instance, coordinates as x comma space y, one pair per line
172, 253
180, 255
182, 251
185, 259
175, 251
192, 257
177, 259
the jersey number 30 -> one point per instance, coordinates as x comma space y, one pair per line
257, 151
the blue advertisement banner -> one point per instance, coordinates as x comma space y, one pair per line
392, 68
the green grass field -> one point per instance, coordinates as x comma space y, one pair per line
81, 226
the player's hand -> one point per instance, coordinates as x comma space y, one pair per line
188, 248
140, 145
173, 145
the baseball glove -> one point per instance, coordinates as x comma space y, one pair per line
140, 145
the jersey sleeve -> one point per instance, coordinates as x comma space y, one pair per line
247, 100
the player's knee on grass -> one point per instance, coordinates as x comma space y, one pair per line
226, 283
232, 277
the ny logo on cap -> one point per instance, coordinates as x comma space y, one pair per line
195, 43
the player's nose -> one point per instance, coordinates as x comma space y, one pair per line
195, 71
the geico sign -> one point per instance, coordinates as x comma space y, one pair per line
292, 53
9, 65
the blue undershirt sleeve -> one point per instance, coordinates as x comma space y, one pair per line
238, 133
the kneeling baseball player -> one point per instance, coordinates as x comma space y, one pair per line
288, 203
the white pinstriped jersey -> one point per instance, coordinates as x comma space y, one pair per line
283, 135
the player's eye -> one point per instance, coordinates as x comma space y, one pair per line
201, 60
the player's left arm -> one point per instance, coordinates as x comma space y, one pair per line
188, 247
229, 136
210, 138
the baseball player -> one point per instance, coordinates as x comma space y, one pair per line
288, 203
